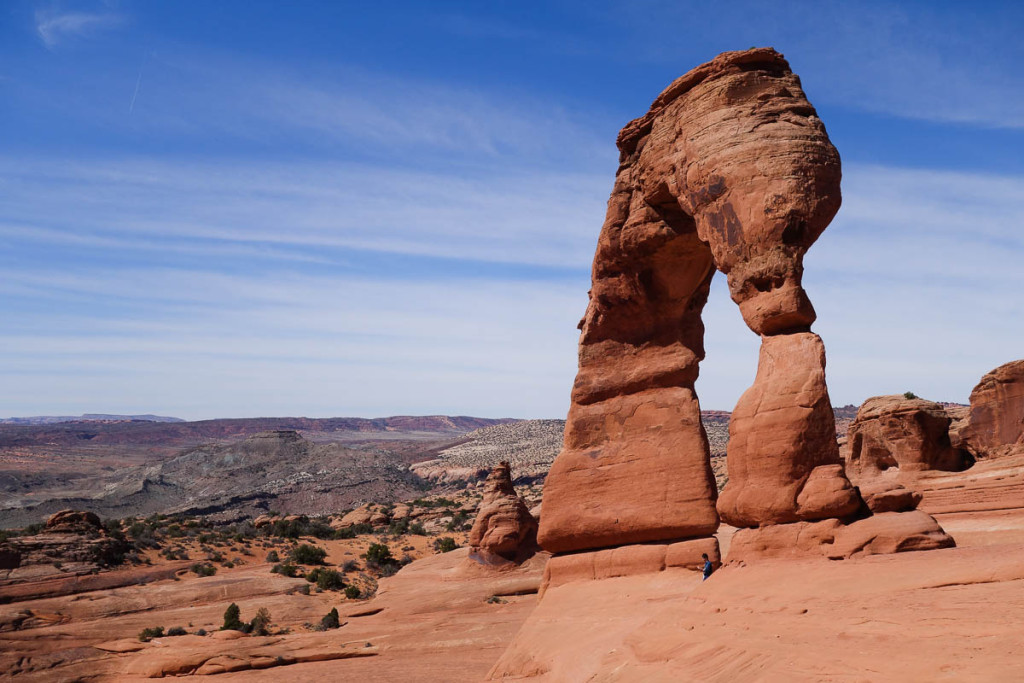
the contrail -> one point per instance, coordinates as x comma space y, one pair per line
131, 107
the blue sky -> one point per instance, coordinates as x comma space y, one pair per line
213, 209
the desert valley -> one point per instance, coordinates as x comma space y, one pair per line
145, 596
882, 543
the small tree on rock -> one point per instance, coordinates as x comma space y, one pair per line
258, 625
232, 620
331, 620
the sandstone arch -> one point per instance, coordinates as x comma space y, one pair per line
730, 170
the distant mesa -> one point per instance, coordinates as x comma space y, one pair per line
229, 468
87, 417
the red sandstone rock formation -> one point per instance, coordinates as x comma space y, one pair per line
893, 434
995, 427
73, 521
731, 169
71, 542
504, 529
783, 459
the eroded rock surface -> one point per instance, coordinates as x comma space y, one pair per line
71, 542
504, 529
893, 434
783, 459
730, 170
995, 426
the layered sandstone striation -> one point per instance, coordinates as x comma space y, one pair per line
72, 542
730, 170
504, 530
995, 426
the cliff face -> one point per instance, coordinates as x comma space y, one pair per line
995, 424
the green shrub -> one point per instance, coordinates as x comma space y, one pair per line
308, 554
203, 569
258, 625
331, 620
326, 579
113, 529
445, 544
417, 529
434, 503
909, 394
285, 569
272, 556
457, 521
352, 592
378, 555
177, 631
148, 634
295, 528
232, 620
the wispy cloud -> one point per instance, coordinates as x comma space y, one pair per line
327, 344
922, 61
916, 285
346, 112
54, 26
546, 218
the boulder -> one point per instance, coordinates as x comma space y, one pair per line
504, 527
799, 539
995, 426
73, 521
881, 533
401, 511
893, 434
889, 496
889, 532
263, 520
365, 514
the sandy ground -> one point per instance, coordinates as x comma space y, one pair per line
433, 621
950, 614
941, 615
